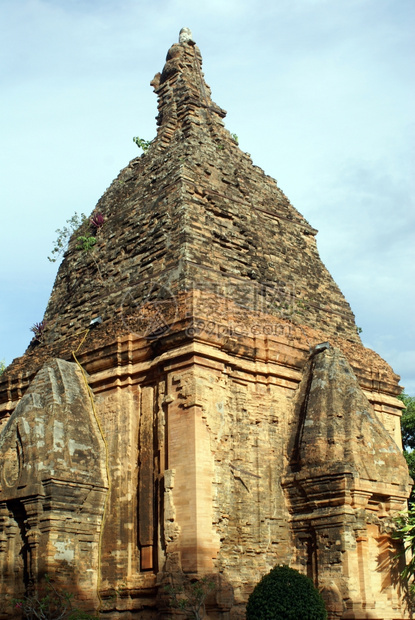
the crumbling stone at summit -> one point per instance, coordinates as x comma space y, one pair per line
220, 418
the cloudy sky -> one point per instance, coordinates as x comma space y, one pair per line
320, 92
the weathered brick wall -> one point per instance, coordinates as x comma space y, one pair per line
194, 212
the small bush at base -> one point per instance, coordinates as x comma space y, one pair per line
285, 594
52, 603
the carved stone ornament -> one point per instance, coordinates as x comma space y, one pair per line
185, 35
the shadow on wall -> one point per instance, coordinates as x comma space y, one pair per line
49, 598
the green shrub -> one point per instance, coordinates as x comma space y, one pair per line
285, 594
65, 233
142, 144
86, 243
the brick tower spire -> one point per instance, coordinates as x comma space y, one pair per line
184, 97
193, 214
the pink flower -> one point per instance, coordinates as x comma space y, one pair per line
97, 220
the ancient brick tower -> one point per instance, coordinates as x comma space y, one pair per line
233, 419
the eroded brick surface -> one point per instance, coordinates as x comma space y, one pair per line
53, 484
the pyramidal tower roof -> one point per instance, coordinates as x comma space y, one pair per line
193, 229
